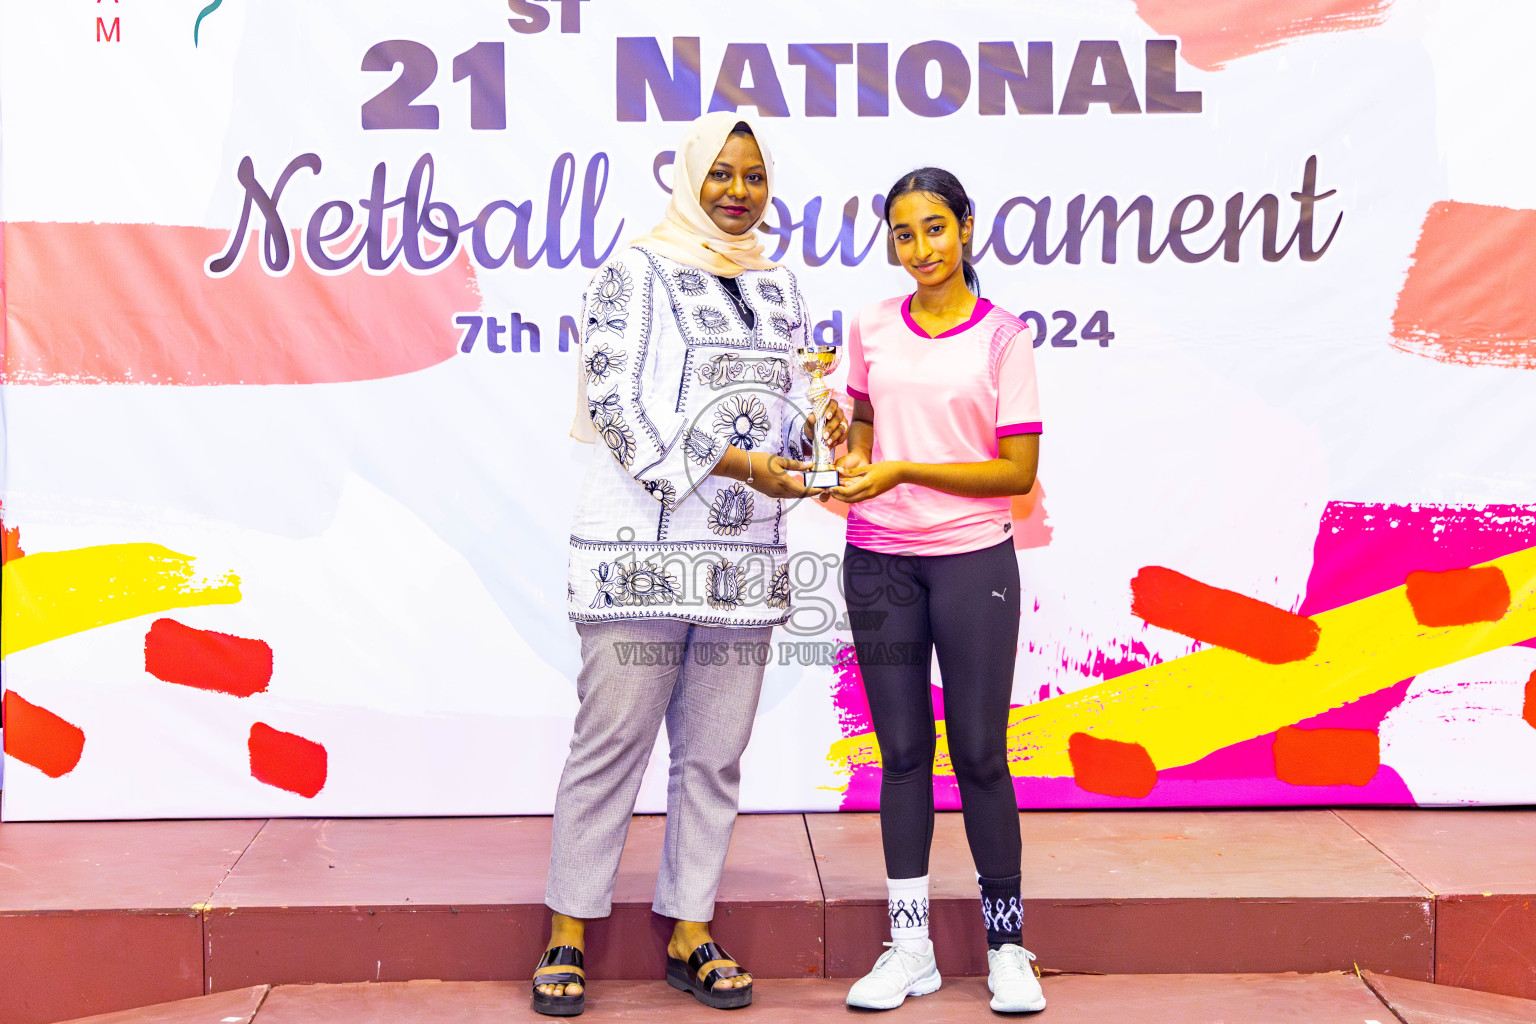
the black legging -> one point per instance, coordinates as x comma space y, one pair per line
900, 608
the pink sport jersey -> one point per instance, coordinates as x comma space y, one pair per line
944, 399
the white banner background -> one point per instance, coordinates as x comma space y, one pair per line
400, 541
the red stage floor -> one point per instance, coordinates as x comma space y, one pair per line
96, 917
1074, 999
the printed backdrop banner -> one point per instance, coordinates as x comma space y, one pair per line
290, 342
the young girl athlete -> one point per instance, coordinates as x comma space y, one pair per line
946, 427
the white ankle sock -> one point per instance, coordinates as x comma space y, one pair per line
908, 906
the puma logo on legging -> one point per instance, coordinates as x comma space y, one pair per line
1001, 597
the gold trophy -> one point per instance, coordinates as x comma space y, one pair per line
815, 361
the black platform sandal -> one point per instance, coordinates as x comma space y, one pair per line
685, 978
560, 1006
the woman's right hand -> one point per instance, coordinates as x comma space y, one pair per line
766, 473
778, 477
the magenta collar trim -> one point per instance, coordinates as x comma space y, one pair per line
983, 307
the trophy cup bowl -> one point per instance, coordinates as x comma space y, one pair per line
814, 361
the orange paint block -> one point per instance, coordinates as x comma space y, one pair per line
1467, 298
40, 738
1326, 757
10, 544
10, 536
1110, 767
1227, 619
1457, 597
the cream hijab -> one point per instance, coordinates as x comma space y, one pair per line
686, 234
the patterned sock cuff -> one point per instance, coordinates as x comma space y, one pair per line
1002, 910
908, 906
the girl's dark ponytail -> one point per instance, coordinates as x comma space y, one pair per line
939, 182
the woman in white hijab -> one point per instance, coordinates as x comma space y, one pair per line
678, 564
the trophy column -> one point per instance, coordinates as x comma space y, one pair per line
814, 361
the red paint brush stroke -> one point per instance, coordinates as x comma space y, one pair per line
287, 761
129, 303
1529, 711
207, 660
1468, 296
1457, 597
1213, 32
41, 738
1110, 767
10, 536
10, 544
1173, 601
1326, 757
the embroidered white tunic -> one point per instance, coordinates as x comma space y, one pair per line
674, 374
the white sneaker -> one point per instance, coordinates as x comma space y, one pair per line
1012, 982
897, 974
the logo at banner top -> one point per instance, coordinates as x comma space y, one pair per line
198, 24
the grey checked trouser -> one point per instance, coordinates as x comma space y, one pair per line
708, 709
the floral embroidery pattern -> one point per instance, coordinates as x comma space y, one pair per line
691, 282
646, 583
778, 588
610, 582
607, 404
613, 286
774, 373
731, 511
610, 299
664, 492
722, 371
780, 326
616, 320
610, 426
701, 447
743, 420
641, 584
770, 291
603, 362
711, 320
724, 583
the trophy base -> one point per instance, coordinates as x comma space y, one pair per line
821, 478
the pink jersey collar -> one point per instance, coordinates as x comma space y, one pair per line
983, 307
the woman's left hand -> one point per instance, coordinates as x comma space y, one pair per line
836, 427
860, 483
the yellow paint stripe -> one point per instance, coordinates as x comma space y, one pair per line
1185, 709
52, 594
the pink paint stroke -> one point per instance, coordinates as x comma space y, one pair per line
1214, 32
